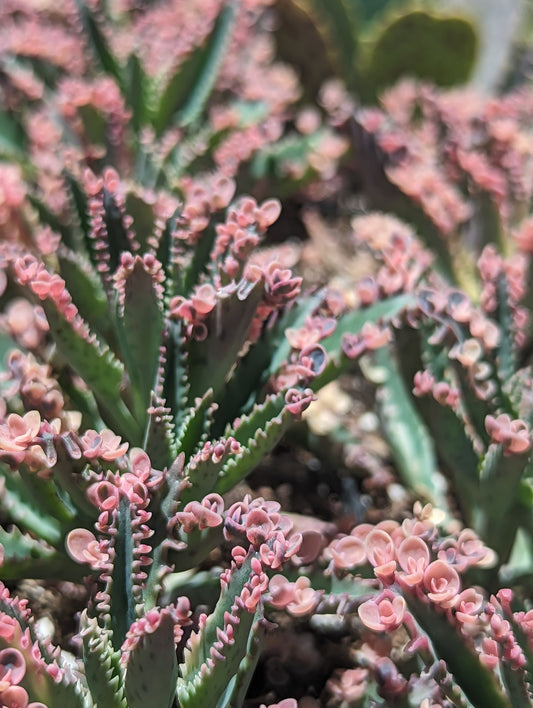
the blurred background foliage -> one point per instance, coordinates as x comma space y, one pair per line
370, 45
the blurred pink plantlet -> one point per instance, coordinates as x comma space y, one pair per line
18, 432
348, 685
514, 435
12, 671
347, 552
381, 553
285, 703
25, 323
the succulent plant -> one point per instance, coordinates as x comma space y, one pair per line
155, 352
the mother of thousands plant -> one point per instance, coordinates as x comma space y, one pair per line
155, 355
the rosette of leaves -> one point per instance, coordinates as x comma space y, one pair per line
165, 334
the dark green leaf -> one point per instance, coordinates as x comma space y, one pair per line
98, 41
140, 330
227, 325
188, 90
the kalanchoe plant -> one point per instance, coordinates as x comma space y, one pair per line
116, 450
154, 355
152, 375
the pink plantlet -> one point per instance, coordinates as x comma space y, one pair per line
12, 667
423, 383
104, 445
383, 613
297, 401
83, 547
348, 685
467, 610
203, 299
442, 583
280, 285
104, 495
18, 432
381, 554
489, 654
285, 703
514, 435
201, 515
413, 557
347, 552
267, 213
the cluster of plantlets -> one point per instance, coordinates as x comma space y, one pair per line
155, 354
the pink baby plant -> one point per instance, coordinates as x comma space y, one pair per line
383, 613
348, 686
297, 598
513, 435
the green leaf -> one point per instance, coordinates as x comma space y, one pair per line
27, 502
187, 91
340, 27
140, 329
105, 676
159, 442
506, 344
176, 377
475, 409
21, 550
152, 669
97, 366
12, 137
227, 325
455, 452
22, 553
143, 216
138, 91
208, 682
516, 683
519, 389
48, 217
78, 212
237, 690
262, 360
476, 680
406, 433
426, 46
94, 124
195, 424
98, 42
351, 323
258, 433
190, 265
86, 289
117, 236
121, 588
499, 483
